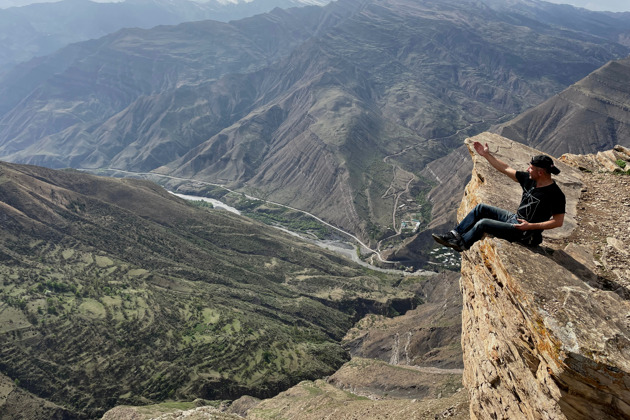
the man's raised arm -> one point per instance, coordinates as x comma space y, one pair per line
504, 168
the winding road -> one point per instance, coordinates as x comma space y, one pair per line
377, 253
396, 193
395, 168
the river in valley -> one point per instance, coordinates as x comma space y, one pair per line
345, 249
215, 203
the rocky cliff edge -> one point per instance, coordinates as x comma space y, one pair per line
546, 330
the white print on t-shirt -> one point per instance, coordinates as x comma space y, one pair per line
528, 206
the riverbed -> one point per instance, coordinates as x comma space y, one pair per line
215, 203
345, 249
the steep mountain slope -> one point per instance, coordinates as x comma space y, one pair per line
360, 96
607, 25
591, 115
17, 403
40, 29
407, 367
115, 291
335, 110
114, 70
425, 337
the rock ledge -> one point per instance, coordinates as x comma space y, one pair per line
542, 338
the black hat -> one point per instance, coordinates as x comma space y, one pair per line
545, 162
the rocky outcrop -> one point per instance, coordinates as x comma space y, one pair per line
609, 160
389, 399
545, 332
166, 413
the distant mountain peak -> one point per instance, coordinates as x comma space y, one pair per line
590, 115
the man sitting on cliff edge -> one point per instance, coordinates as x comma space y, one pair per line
542, 207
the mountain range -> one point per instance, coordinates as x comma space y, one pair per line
592, 114
336, 110
41, 28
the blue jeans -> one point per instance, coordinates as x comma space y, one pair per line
488, 219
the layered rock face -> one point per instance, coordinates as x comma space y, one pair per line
607, 160
545, 331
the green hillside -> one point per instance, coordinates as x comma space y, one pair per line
116, 292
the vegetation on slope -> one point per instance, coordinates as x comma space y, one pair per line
116, 292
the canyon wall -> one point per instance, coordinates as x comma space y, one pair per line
545, 329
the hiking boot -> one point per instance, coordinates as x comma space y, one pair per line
450, 240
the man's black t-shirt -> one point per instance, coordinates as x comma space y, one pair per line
539, 204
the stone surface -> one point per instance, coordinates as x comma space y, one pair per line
606, 161
161, 412
243, 405
542, 337
321, 400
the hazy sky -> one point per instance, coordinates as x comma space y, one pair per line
610, 5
